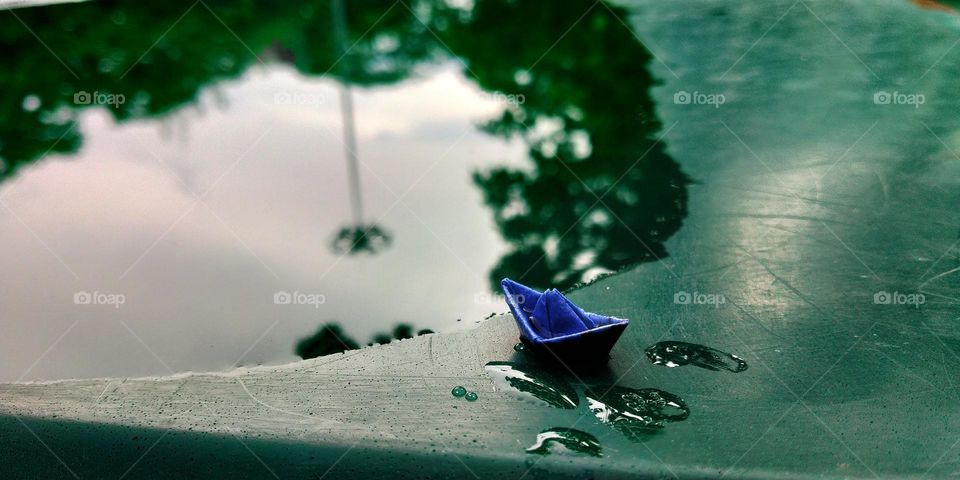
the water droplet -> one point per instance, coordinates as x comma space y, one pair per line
522, 77
471, 396
31, 103
636, 413
533, 384
458, 391
519, 347
674, 354
576, 440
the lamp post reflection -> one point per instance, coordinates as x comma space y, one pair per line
357, 237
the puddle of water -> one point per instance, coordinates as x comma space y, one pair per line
637, 413
533, 384
138, 164
575, 440
676, 354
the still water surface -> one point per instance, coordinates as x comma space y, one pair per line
173, 204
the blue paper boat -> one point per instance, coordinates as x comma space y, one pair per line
550, 321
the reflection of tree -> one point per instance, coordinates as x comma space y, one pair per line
950, 5
585, 113
108, 47
590, 126
330, 338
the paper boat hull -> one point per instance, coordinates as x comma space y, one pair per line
590, 347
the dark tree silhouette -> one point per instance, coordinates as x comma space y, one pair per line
603, 192
328, 339
403, 331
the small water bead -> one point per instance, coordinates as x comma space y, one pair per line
31, 103
519, 347
458, 391
471, 396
